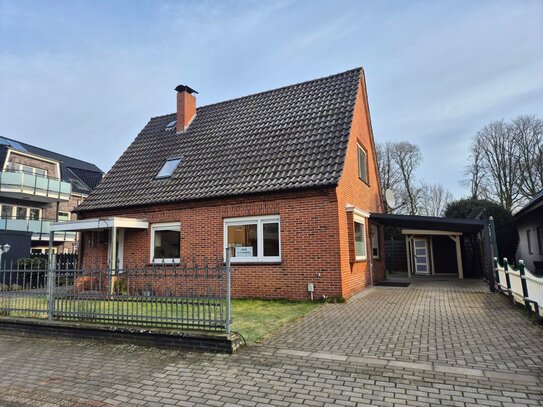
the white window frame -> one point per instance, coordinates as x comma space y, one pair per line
361, 220
66, 212
156, 227
361, 149
259, 221
20, 168
374, 229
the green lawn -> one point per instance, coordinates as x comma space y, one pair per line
258, 319
255, 320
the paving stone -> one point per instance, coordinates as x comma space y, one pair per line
433, 343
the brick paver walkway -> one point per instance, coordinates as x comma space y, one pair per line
434, 343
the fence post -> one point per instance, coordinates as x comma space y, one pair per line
228, 270
51, 285
497, 273
522, 272
508, 279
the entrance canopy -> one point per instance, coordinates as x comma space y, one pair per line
428, 223
99, 224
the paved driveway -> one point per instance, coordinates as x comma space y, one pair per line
434, 343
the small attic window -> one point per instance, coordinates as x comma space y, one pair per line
168, 168
171, 125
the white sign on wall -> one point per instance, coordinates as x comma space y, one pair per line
244, 251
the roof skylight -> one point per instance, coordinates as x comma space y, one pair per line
171, 125
168, 168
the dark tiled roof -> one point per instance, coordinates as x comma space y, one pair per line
288, 138
84, 171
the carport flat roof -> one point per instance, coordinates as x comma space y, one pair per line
428, 222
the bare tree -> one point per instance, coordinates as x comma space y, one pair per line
527, 132
407, 157
434, 200
475, 175
499, 154
389, 172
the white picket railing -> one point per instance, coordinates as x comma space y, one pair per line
530, 294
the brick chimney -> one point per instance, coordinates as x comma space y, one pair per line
186, 107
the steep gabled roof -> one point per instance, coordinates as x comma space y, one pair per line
72, 170
284, 139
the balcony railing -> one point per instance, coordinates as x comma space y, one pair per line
24, 183
40, 228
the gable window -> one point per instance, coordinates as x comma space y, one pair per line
165, 242
362, 164
375, 241
360, 237
168, 168
253, 239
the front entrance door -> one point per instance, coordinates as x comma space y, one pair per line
422, 265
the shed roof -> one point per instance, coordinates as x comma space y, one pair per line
428, 222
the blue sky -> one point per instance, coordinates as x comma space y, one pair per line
83, 77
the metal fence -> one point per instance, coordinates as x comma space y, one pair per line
186, 295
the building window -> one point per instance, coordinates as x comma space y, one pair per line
360, 238
362, 164
7, 211
63, 216
540, 239
27, 169
33, 214
253, 239
375, 241
165, 242
168, 168
529, 239
20, 212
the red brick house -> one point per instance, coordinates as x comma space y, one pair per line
284, 179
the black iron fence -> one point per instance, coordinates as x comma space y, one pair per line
186, 295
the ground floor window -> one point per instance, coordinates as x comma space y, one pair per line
165, 242
253, 239
360, 237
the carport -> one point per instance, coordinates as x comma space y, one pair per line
436, 245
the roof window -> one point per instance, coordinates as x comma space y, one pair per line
168, 168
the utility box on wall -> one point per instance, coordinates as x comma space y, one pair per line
19, 243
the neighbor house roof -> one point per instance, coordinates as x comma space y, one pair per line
83, 176
284, 139
535, 202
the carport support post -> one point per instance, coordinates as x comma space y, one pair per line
459, 257
488, 256
408, 252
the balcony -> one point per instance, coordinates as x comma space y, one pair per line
39, 227
23, 185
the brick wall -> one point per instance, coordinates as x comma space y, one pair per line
356, 275
309, 240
